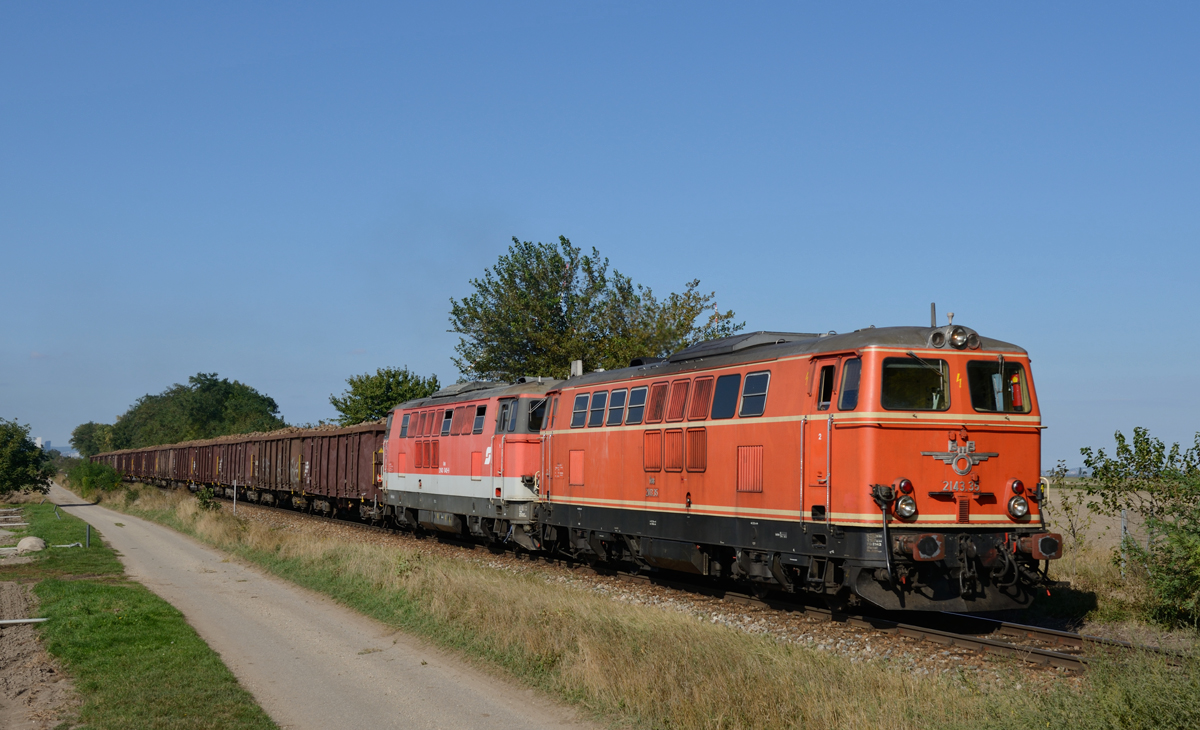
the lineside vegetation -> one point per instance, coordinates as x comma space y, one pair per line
645, 667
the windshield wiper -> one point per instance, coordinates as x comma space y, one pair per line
937, 370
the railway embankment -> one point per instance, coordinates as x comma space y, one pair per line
636, 658
110, 654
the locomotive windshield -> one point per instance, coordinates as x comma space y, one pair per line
912, 384
998, 386
537, 414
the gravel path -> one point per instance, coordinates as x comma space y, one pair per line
309, 662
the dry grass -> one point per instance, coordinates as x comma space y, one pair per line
630, 665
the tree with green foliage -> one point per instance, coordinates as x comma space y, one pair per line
92, 438
1162, 485
24, 466
370, 397
545, 304
207, 407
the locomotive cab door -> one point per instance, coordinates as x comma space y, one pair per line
818, 433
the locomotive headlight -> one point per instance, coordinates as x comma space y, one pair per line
906, 507
1018, 507
973, 341
938, 339
958, 338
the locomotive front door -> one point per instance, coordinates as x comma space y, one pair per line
818, 430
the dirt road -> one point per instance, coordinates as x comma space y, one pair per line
309, 662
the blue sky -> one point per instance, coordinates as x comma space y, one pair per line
290, 194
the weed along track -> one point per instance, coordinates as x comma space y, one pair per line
922, 643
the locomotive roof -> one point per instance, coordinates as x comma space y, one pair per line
761, 346
741, 348
478, 390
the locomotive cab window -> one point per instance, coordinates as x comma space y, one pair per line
998, 387
404, 426
851, 373
502, 421
537, 415
616, 408
825, 389
637, 406
912, 384
579, 412
480, 413
754, 394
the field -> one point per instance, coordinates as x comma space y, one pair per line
640, 666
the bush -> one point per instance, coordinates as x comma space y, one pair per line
207, 500
1162, 485
1173, 571
89, 477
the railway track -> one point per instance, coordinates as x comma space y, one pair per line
1031, 644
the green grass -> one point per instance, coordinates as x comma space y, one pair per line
135, 660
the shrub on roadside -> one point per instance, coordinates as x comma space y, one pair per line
207, 500
89, 477
1163, 485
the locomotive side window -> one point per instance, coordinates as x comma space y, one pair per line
725, 396
851, 374
994, 390
637, 406
599, 400
502, 421
404, 426
447, 421
579, 414
754, 394
911, 384
616, 408
537, 414
825, 390
658, 402
480, 412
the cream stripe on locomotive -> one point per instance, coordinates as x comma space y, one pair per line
939, 419
855, 518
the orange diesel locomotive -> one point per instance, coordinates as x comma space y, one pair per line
897, 465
